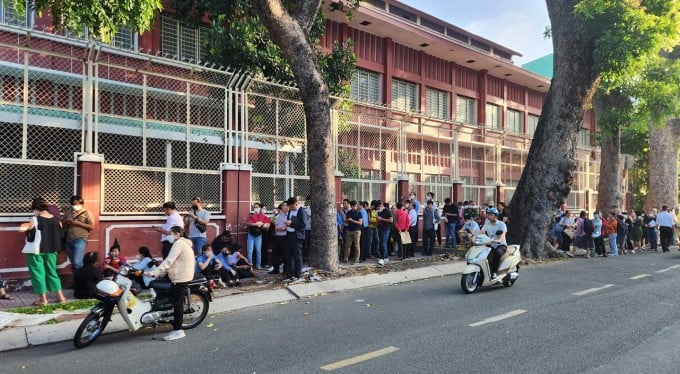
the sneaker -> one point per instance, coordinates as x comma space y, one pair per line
290, 280
568, 254
632, 251
174, 335
388, 260
494, 276
271, 268
381, 262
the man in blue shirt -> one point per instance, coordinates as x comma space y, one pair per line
365, 236
430, 219
227, 274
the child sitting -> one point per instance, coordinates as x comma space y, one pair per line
113, 261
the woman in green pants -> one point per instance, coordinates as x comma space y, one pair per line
43, 266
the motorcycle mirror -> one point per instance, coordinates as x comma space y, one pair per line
499, 232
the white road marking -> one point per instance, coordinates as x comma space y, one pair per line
664, 270
591, 290
640, 276
499, 317
674, 267
360, 358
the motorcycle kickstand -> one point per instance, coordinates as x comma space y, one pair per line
155, 329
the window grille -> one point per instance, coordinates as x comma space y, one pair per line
181, 41
493, 116
404, 96
514, 122
366, 86
437, 103
466, 110
532, 124
124, 38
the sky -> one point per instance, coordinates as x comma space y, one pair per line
516, 24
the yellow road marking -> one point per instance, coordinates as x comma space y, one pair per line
498, 317
360, 358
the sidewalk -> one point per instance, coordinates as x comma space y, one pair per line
26, 330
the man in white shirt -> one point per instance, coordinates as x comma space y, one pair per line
174, 219
496, 230
468, 231
412, 228
665, 221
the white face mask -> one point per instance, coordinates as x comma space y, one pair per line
412, 197
256, 210
139, 257
76, 207
171, 238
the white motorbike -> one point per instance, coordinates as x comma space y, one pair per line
477, 272
136, 312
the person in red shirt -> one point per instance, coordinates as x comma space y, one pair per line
257, 224
113, 261
401, 224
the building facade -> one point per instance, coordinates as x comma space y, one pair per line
140, 121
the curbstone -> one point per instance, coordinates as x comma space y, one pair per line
249, 300
13, 338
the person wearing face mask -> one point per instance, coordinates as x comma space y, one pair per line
412, 228
257, 224
173, 219
197, 215
145, 262
179, 267
78, 224
414, 202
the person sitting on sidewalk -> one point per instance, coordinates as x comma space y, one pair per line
207, 265
468, 231
3, 293
240, 263
86, 279
226, 272
113, 261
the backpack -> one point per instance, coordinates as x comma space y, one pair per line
588, 227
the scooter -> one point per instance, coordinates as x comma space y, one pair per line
477, 272
136, 312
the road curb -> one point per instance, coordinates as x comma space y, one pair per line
23, 337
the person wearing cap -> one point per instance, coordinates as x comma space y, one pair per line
498, 243
468, 231
179, 267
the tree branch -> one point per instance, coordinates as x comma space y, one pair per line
304, 13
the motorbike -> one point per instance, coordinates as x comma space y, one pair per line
136, 312
477, 273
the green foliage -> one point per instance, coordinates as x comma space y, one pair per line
626, 33
101, 17
348, 165
51, 308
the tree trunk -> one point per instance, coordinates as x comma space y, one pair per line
290, 32
549, 171
609, 186
663, 165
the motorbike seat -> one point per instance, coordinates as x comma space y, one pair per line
161, 284
198, 279
509, 251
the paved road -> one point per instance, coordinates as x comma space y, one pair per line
578, 316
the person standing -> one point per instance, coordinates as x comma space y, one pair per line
179, 267
412, 229
365, 247
173, 219
430, 220
78, 223
635, 233
566, 222
401, 224
611, 229
258, 225
598, 240
665, 221
451, 215
197, 233
650, 228
295, 227
279, 239
374, 240
42, 266
353, 235
414, 202
385, 223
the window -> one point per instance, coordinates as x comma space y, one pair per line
584, 138
466, 110
493, 116
366, 86
437, 104
182, 42
532, 124
404, 96
10, 16
124, 38
514, 122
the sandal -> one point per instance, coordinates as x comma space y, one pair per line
62, 301
39, 303
6, 297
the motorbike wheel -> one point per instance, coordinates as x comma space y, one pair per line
89, 330
468, 283
197, 310
511, 282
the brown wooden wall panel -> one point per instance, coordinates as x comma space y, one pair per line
466, 78
536, 99
405, 59
333, 34
516, 93
494, 86
437, 69
368, 46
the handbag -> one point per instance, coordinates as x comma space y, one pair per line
32, 246
201, 227
570, 232
405, 237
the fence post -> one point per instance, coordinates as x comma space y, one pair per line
89, 186
457, 191
402, 188
338, 188
236, 187
500, 192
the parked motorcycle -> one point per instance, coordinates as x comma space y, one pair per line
477, 273
136, 312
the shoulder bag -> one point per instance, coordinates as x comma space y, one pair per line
201, 227
32, 246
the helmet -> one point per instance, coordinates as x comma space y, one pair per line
467, 216
492, 211
108, 288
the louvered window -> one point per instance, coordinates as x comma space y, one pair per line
584, 138
182, 42
532, 124
10, 16
404, 96
514, 122
366, 86
493, 116
437, 104
466, 110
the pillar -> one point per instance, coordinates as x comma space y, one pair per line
500, 193
236, 185
89, 186
402, 188
587, 202
338, 189
457, 191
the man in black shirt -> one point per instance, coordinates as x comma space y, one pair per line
385, 222
451, 215
353, 235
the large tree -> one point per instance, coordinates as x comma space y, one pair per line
593, 40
